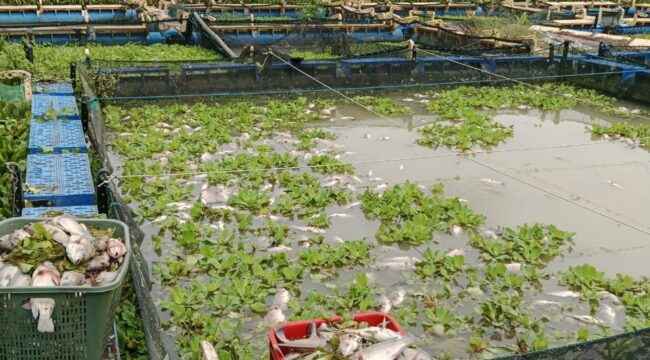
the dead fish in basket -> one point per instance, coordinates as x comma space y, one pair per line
7, 274
384, 350
413, 354
348, 344
80, 249
116, 248
309, 344
98, 263
72, 278
69, 225
375, 333
8, 242
58, 235
44, 275
21, 280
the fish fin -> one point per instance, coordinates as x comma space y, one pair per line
45, 324
34, 311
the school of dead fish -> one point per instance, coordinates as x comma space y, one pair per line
98, 255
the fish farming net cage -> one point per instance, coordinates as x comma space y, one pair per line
633, 345
633, 55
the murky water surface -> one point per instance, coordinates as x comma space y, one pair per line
551, 171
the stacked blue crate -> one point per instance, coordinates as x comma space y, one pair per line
58, 168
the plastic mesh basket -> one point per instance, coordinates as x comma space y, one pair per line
11, 93
82, 317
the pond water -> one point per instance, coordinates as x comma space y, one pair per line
552, 171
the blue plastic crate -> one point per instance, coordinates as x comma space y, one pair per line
57, 136
79, 211
59, 180
61, 89
65, 106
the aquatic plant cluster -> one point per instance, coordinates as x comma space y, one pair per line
244, 195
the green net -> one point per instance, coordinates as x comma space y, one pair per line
12, 92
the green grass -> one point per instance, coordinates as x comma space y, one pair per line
53, 62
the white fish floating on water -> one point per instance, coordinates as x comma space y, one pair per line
424, 101
565, 294
399, 263
513, 267
545, 302
214, 194
367, 136
401, 167
589, 319
375, 179
408, 99
380, 187
222, 207
340, 215
274, 317
606, 295
345, 118
456, 252
457, 231
491, 181
207, 157
397, 297
488, 234
279, 249
180, 206
385, 306
311, 229
355, 179
281, 299
351, 205
44, 275
612, 183
72, 278
383, 138
419, 95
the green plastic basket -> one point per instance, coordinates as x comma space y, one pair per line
83, 316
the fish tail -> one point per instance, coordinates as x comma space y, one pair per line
45, 324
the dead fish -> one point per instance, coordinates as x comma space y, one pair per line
337, 215
72, 278
278, 249
354, 204
610, 182
374, 333
281, 299
491, 181
98, 263
180, 206
21, 280
606, 295
347, 118
419, 95
356, 179
385, 305
7, 274
381, 187
413, 354
274, 317
375, 179
214, 194
102, 243
408, 99
79, 249
397, 297
401, 167
310, 229
330, 183
160, 218
385, 350
207, 351
104, 277
403, 263
206, 157
309, 344
222, 207
348, 344
513, 267
383, 138
565, 294
8, 242
546, 302
488, 234
70, 225
116, 248
457, 231
588, 319
424, 101
367, 136
44, 275
456, 252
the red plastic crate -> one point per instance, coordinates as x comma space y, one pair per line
298, 330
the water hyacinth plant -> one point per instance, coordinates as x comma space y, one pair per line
248, 200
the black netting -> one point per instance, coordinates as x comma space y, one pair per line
111, 203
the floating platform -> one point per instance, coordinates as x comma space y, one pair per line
59, 180
76, 211
56, 136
